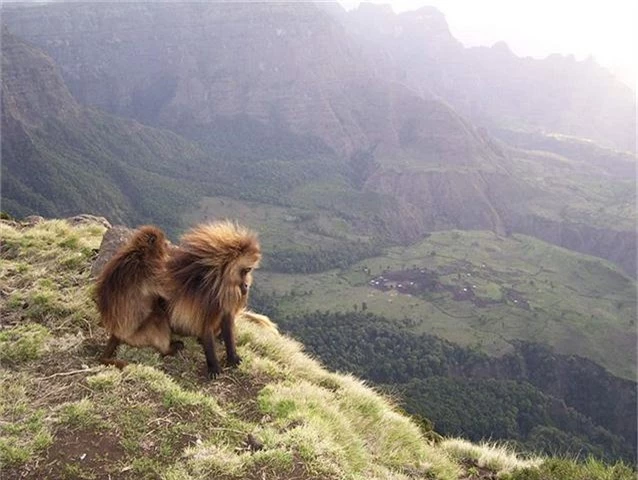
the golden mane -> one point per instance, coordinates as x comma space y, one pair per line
202, 268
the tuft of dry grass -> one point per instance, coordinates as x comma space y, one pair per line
338, 419
499, 458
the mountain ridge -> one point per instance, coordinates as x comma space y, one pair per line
311, 89
494, 87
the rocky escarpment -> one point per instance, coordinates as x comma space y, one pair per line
61, 158
291, 66
283, 64
31, 87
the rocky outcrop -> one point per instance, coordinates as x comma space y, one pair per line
291, 66
86, 219
113, 239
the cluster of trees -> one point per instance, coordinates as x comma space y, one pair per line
584, 385
464, 392
512, 410
317, 259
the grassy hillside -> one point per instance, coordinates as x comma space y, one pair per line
476, 288
280, 415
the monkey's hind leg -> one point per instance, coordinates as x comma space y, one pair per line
108, 357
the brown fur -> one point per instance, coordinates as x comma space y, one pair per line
208, 282
130, 295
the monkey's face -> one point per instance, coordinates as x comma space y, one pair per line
242, 276
245, 280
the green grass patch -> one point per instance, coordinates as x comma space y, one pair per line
73, 471
22, 343
48, 274
80, 414
23, 429
516, 288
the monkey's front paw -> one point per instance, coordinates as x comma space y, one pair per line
234, 360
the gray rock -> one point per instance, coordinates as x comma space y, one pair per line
88, 219
113, 239
31, 220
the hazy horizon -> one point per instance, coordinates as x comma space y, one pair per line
542, 28
538, 29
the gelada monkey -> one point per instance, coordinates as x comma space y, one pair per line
130, 296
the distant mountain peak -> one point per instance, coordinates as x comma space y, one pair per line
502, 47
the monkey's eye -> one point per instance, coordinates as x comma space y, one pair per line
246, 271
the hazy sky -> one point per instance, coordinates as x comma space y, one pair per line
606, 30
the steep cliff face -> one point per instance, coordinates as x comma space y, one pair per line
185, 66
31, 85
443, 200
201, 62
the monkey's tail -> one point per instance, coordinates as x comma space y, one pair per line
258, 319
